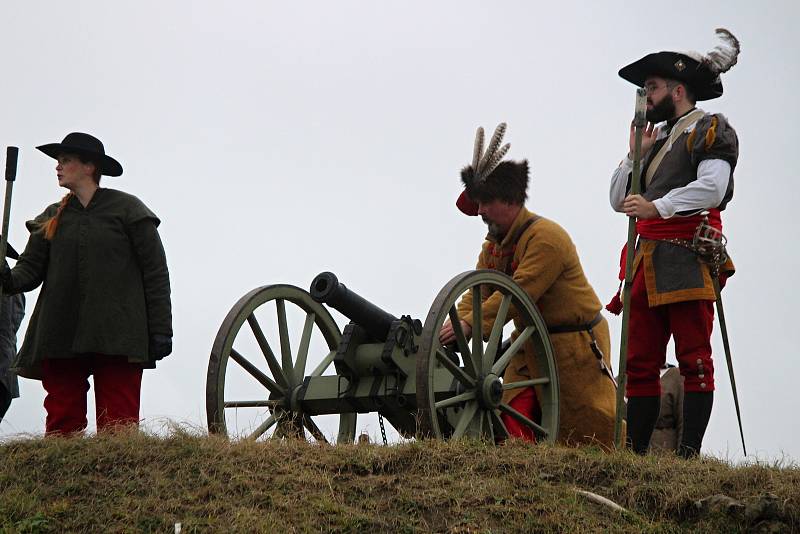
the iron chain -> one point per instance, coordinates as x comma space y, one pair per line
383, 429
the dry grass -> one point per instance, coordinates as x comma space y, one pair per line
134, 482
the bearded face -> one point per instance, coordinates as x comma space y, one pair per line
494, 229
663, 110
498, 216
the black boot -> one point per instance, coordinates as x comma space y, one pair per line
696, 413
642, 417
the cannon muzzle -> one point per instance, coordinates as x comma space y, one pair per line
326, 289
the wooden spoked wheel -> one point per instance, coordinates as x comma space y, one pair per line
252, 390
460, 389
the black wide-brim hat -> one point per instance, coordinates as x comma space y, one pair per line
86, 145
704, 83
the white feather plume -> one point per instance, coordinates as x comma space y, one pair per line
725, 55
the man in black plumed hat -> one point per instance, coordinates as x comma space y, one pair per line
687, 170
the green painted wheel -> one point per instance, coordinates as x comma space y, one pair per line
460, 389
252, 394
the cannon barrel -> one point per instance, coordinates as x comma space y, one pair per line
326, 289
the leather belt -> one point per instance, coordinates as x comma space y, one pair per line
592, 344
586, 327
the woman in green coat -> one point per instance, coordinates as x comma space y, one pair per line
104, 308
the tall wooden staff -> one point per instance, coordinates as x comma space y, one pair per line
639, 123
12, 153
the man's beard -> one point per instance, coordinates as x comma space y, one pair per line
494, 228
663, 111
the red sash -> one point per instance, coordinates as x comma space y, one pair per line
674, 227
658, 228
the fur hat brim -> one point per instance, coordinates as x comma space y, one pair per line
508, 182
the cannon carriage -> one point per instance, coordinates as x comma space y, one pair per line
379, 363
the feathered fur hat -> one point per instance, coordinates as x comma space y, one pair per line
700, 72
489, 177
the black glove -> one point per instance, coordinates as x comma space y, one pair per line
160, 346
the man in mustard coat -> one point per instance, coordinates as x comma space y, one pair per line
540, 256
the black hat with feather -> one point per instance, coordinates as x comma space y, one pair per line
699, 72
489, 177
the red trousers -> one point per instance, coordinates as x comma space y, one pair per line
688, 323
527, 404
117, 384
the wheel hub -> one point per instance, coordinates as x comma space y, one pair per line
294, 399
491, 391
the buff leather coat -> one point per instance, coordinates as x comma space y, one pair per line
547, 267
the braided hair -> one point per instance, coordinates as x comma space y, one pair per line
49, 226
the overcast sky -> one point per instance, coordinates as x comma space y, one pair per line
277, 140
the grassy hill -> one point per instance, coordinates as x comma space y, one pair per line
135, 482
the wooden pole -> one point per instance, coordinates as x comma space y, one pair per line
639, 123
12, 153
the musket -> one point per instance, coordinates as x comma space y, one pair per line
12, 153
639, 123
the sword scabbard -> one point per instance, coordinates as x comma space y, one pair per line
723, 329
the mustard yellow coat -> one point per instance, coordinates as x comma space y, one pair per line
547, 267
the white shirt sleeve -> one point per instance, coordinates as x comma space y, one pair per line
619, 184
707, 191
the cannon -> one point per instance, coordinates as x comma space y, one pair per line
257, 389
